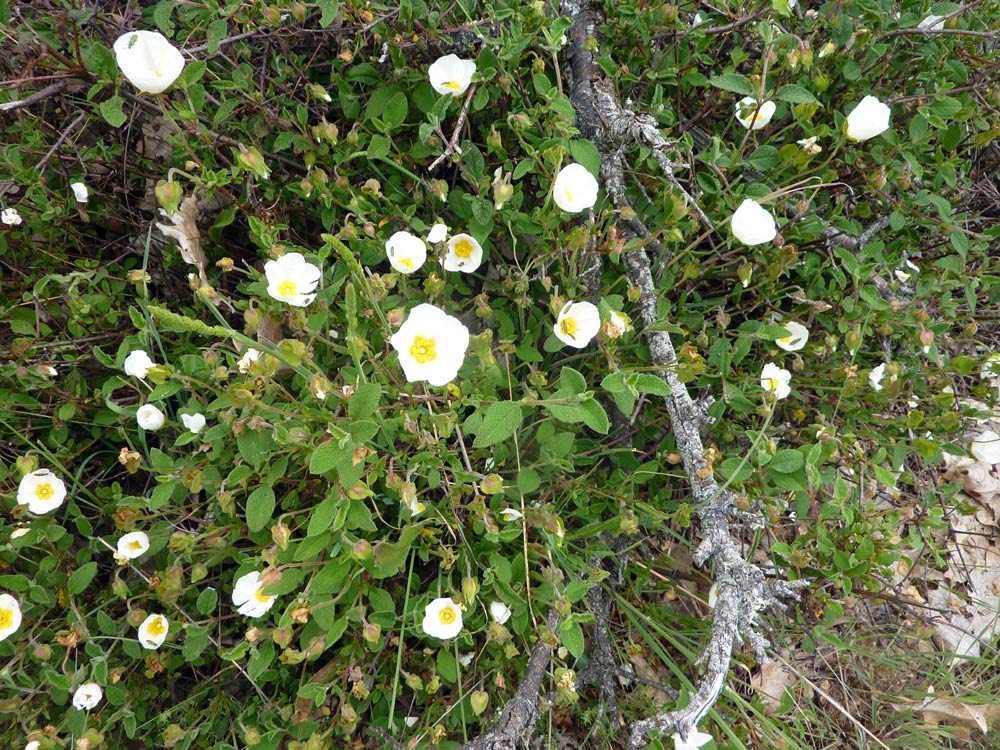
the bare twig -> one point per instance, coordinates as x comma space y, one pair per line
50, 90
452, 146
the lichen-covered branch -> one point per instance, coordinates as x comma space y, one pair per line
743, 589
517, 719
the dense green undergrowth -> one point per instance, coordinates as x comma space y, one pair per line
360, 496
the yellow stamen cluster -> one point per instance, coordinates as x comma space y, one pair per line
423, 350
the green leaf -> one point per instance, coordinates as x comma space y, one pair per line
584, 152
216, 32
323, 514
389, 557
378, 147
653, 384
787, 461
260, 508
593, 415
500, 421
81, 578
395, 111
571, 636
732, 82
326, 457
330, 9
572, 381
195, 640
795, 94
207, 601
111, 111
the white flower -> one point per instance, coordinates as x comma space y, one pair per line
246, 361
451, 75
466, 659
18, 533
809, 145
875, 377
577, 324
80, 192
437, 234
868, 119
193, 422
694, 741
574, 189
713, 596
406, 252
42, 491
153, 631
33, 745
431, 345
48, 370
148, 60
442, 618
10, 217
991, 367
510, 514
137, 364
931, 23
292, 279
752, 224
904, 276
248, 597
752, 118
150, 418
464, 254
797, 336
133, 544
87, 696
986, 447
697, 20
500, 612
774, 379
411, 721
10, 615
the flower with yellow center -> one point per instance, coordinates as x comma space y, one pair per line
148, 60
464, 254
431, 345
574, 189
132, 545
577, 324
42, 491
451, 75
406, 252
153, 631
10, 615
797, 336
292, 279
775, 380
442, 618
249, 597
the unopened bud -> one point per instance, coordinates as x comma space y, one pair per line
252, 160
744, 271
169, 195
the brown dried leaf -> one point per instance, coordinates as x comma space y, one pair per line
185, 231
770, 682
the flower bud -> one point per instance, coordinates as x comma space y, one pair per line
318, 92
280, 533
852, 340
252, 160
470, 587
299, 13
744, 271
361, 550
169, 195
371, 632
